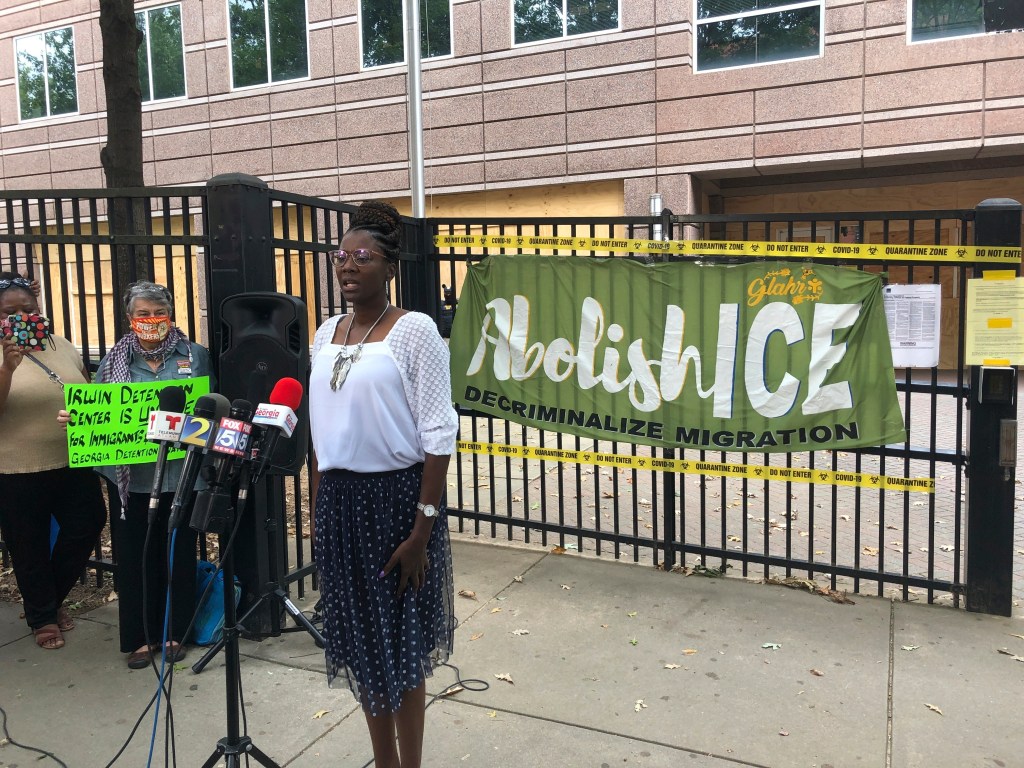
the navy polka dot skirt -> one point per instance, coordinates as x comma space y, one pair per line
378, 644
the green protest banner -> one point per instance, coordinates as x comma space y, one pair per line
761, 357
108, 421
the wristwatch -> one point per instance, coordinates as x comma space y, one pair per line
428, 510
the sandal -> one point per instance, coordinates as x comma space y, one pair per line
49, 637
65, 622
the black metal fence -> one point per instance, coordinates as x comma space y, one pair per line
235, 235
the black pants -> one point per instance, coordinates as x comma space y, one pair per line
27, 501
129, 539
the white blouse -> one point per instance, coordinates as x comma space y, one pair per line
395, 405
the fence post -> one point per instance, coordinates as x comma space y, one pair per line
992, 446
240, 259
240, 231
669, 479
421, 290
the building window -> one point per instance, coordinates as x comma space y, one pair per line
268, 41
537, 20
736, 33
46, 74
934, 19
161, 55
383, 30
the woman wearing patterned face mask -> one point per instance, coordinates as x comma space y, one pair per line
35, 479
154, 350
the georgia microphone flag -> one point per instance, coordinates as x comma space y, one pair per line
280, 411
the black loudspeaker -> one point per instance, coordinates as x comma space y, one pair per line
264, 338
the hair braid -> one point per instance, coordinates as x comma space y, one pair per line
383, 221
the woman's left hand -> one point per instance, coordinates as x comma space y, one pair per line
411, 559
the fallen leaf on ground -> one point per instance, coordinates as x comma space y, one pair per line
520, 632
671, 666
1012, 655
817, 673
566, 586
1013, 635
506, 677
558, 550
639, 705
631, 614
933, 708
495, 610
518, 579
492, 713
689, 651
633, 641
321, 713
477, 636
467, 593
909, 647
772, 646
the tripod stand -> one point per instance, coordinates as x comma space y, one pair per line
272, 590
234, 744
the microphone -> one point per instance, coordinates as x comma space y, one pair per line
231, 446
197, 433
165, 424
276, 418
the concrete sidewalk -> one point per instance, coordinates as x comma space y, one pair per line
611, 665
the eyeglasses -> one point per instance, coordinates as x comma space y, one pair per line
360, 256
21, 282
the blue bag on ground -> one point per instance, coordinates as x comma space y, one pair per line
209, 623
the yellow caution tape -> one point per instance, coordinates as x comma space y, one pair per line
690, 467
963, 254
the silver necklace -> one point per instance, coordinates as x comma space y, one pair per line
343, 362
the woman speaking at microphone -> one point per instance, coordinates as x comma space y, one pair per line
383, 431
35, 479
154, 350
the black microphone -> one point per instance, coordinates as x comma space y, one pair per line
231, 447
197, 433
165, 424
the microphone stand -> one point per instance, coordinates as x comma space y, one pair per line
234, 744
277, 593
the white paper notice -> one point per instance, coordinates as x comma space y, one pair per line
912, 313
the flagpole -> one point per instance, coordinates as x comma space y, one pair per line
415, 107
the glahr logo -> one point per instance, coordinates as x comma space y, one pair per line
782, 282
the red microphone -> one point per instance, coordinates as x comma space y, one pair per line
275, 418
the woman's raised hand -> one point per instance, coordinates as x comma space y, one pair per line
12, 355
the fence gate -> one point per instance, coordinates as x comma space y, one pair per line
818, 516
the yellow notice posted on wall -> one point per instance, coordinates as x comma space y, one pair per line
994, 323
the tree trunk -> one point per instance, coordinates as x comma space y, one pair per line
122, 156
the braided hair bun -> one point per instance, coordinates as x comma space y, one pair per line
383, 221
